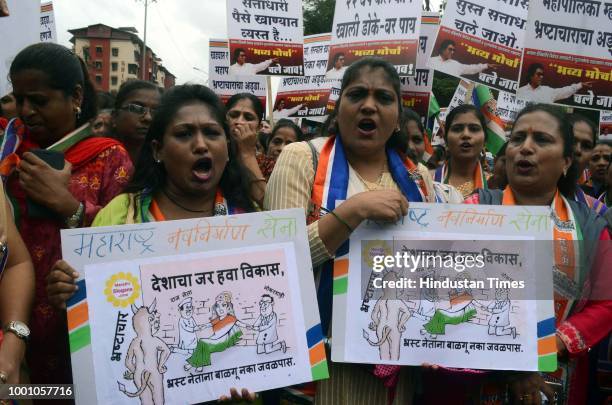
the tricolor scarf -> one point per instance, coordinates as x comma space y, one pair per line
567, 255
585, 177
331, 184
150, 211
79, 147
599, 206
442, 175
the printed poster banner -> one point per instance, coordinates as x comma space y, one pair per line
226, 85
508, 107
416, 90
47, 23
482, 41
483, 315
23, 18
265, 37
180, 311
306, 96
605, 126
367, 28
568, 54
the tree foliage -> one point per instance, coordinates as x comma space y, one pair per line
318, 16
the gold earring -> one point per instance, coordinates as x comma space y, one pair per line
564, 172
78, 112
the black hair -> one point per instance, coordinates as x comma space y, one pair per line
575, 118
64, 71
276, 105
336, 57
285, 123
464, 109
397, 140
445, 44
269, 296
237, 52
150, 176
411, 115
532, 69
106, 101
130, 87
567, 183
255, 101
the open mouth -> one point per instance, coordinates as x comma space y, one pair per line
367, 125
524, 166
465, 145
202, 169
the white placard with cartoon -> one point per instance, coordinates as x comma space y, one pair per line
493, 311
181, 311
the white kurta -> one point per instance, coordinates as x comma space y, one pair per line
454, 68
545, 94
249, 69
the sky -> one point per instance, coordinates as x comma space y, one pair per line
178, 30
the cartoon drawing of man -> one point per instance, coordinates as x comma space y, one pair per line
265, 324
187, 327
499, 322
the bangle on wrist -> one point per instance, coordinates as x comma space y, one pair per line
258, 179
76, 219
343, 222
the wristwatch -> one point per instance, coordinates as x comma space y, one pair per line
20, 329
75, 220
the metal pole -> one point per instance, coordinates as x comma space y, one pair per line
144, 44
270, 101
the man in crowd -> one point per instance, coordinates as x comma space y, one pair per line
338, 69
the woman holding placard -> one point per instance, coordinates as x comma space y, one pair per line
187, 169
58, 176
540, 172
465, 138
354, 175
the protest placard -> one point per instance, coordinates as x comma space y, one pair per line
508, 106
306, 96
482, 41
184, 310
568, 54
47, 23
265, 37
454, 285
605, 126
367, 28
416, 90
22, 27
226, 85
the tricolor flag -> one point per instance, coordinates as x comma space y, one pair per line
484, 100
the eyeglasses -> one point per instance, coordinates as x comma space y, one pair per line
138, 109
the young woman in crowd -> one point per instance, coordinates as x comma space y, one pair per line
540, 172
465, 138
102, 124
244, 116
375, 181
415, 134
135, 106
284, 133
16, 296
187, 169
8, 107
598, 168
55, 102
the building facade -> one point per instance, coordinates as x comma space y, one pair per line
113, 56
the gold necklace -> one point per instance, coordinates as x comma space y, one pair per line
466, 188
378, 180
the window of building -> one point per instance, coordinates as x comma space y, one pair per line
86, 52
99, 79
114, 80
98, 65
133, 69
98, 50
115, 51
114, 66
